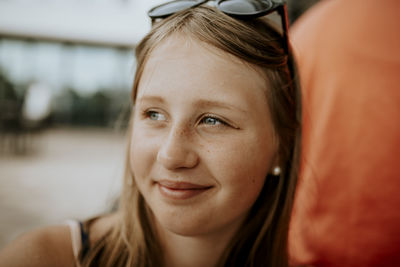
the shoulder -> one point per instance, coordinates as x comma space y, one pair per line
50, 246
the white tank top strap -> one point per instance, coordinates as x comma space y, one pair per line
75, 229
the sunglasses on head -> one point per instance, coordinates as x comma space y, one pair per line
239, 9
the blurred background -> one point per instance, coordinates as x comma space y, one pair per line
66, 68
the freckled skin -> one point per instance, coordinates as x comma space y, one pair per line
178, 145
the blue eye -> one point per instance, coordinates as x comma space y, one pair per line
212, 121
155, 116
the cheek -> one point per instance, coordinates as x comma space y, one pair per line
243, 181
249, 158
241, 170
141, 154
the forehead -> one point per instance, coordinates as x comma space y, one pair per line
183, 66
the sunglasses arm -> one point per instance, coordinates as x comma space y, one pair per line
282, 10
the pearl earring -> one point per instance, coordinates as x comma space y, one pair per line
276, 171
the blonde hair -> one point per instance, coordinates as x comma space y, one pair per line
262, 239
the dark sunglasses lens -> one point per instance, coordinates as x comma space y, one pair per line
244, 7
170, 8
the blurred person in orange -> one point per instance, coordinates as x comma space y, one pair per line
346, 207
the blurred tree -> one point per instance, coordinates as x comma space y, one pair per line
98, 109
10, 105
12, 139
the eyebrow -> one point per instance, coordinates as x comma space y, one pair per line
202, 103
150, 99
215, 103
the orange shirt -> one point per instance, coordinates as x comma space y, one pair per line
347, 207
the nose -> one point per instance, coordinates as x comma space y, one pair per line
177, 151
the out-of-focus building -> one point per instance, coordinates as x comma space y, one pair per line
82, 51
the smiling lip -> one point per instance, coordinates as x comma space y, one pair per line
180, 190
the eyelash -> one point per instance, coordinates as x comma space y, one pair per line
148, 113
222, 122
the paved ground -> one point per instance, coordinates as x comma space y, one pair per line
70, 173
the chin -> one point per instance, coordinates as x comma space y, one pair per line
185, 227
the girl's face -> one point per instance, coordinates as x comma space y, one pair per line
202, 141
